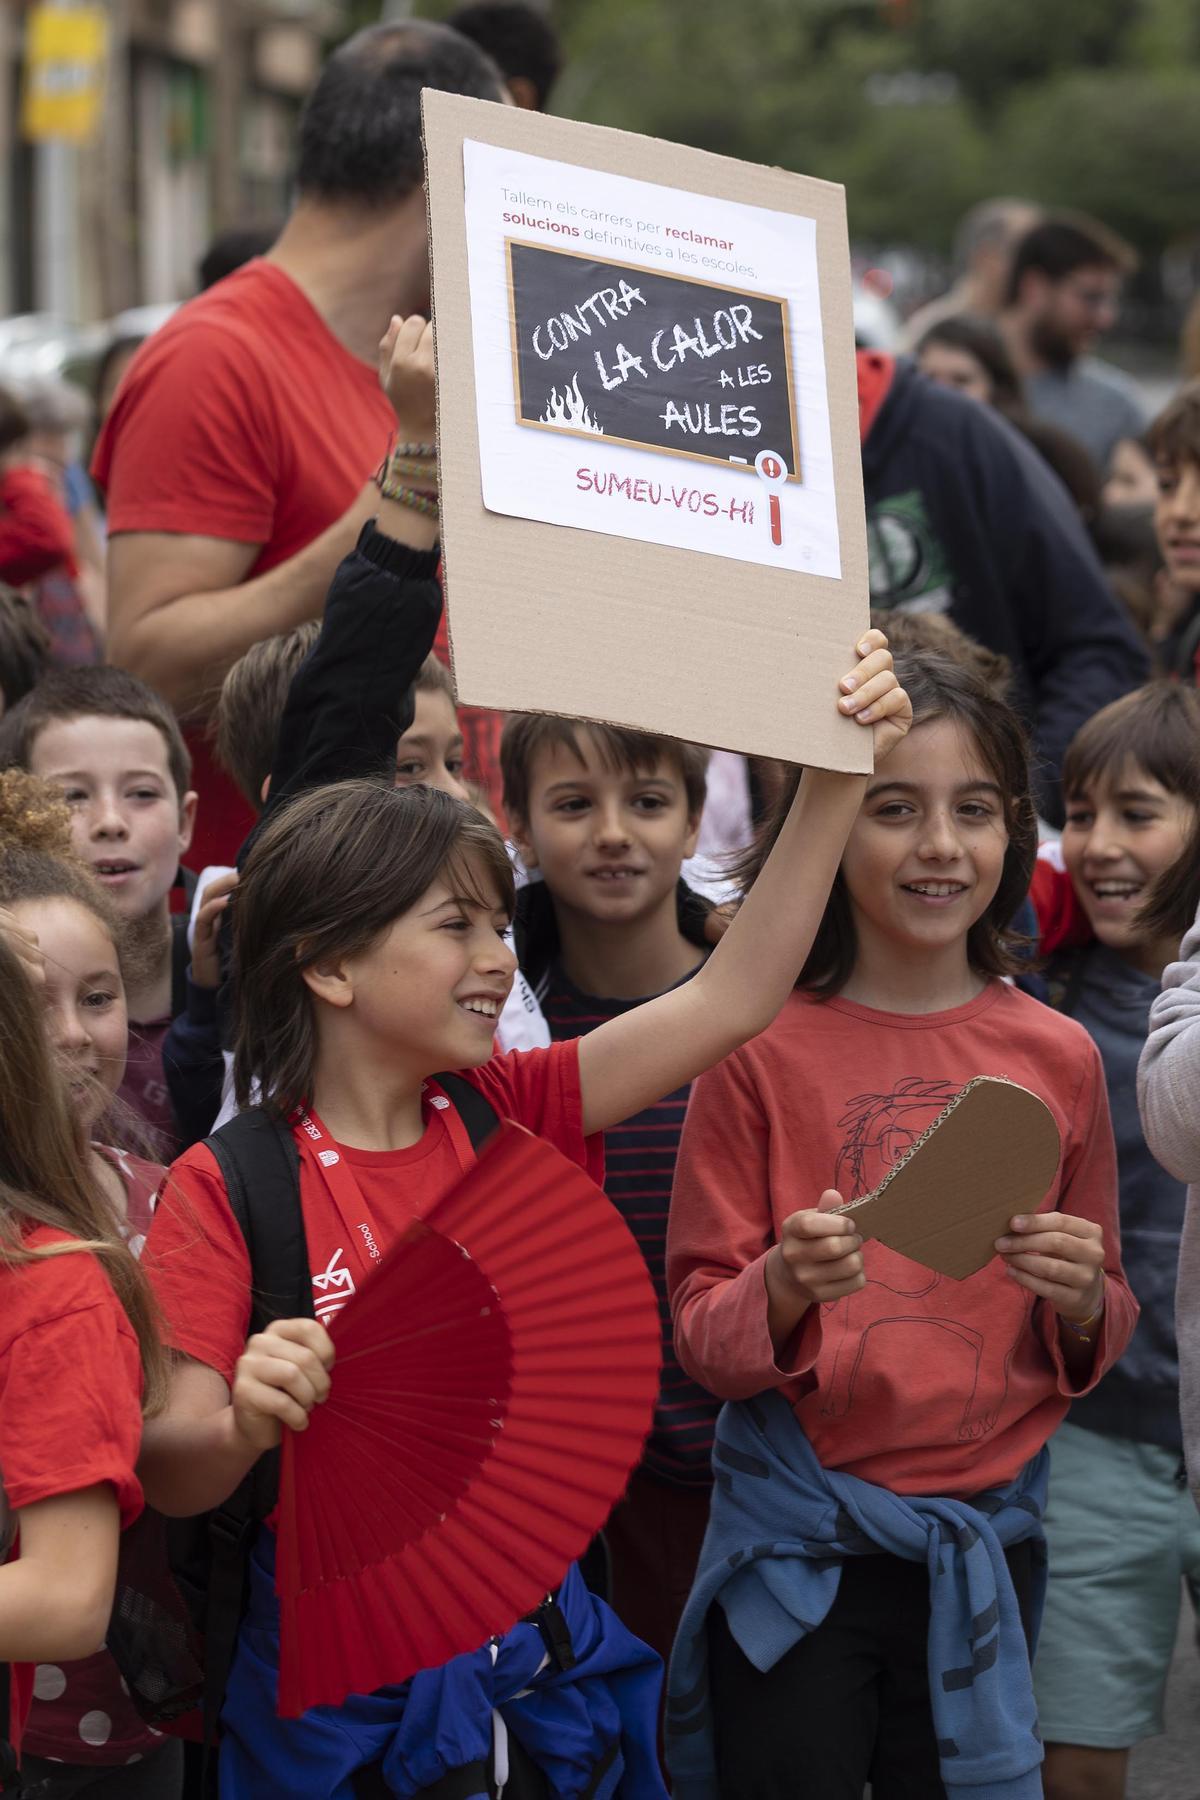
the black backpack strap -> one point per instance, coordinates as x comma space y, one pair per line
473, 1108
8, 1756
181, 962
260, 1165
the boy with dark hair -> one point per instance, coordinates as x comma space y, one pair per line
607, 817
113, 748
522, 43
1063, 295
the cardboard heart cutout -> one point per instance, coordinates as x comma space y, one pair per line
992, 1152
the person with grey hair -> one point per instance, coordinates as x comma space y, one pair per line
239, 453
983, 247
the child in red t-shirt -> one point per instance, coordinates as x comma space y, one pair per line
913, 1384
369, 953
77, 1351
81, 1719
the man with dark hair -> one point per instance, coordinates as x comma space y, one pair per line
238, 455
983, 247
1064, 292
521, 42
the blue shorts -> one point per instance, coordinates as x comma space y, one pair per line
1123, 1535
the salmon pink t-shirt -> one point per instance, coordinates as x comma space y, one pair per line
70, 1395
196, 1256
916, 1382
243, 417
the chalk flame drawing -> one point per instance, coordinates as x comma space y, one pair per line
570, 410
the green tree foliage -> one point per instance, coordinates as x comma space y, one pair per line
1092, 104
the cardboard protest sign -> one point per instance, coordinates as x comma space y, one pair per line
991, 1153
648, 431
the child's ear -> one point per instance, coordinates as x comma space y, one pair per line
330, 980
187, 821
693, 834
519, 829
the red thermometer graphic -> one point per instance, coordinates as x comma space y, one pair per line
771, 469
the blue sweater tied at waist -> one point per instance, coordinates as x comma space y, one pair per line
780, 1528
587, 1724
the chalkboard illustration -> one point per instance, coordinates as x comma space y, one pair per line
569, 409
650, 359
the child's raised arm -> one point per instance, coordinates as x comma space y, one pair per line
634, 1060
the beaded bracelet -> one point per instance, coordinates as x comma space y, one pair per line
422, 476
1082, 1328
405, 496
408, 485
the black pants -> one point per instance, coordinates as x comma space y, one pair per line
158, 1776
849, 1703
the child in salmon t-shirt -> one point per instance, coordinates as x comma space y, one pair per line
875, 1547
77, 1347
368, 955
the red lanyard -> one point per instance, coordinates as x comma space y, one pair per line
330, 1168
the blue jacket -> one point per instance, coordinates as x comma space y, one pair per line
1139, 1398
781, 1526
601, 1713
964, 518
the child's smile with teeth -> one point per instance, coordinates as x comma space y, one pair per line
488, 1009
1123, 830
936, 890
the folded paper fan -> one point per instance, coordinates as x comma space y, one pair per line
494, 1384
992, 1152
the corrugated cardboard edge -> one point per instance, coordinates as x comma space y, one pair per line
941, 1210
730, 654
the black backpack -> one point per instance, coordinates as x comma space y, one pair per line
174, 1635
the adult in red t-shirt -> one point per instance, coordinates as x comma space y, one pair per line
238, 455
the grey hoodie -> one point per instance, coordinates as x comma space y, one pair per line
1169, 1098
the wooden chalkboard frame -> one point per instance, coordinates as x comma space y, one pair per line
689, 280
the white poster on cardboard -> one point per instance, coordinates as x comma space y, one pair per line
649, 362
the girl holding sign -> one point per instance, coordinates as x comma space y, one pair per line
369, 954
871, 1584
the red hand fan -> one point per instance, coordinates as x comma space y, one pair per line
494, 1383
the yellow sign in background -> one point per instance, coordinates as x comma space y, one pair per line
64, 72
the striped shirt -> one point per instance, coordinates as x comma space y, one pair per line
639, 1158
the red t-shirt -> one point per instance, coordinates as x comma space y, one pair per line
916, 1382
196, 1256
1062, 922
36, 534
70, 1394
244, 418
81, 1711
